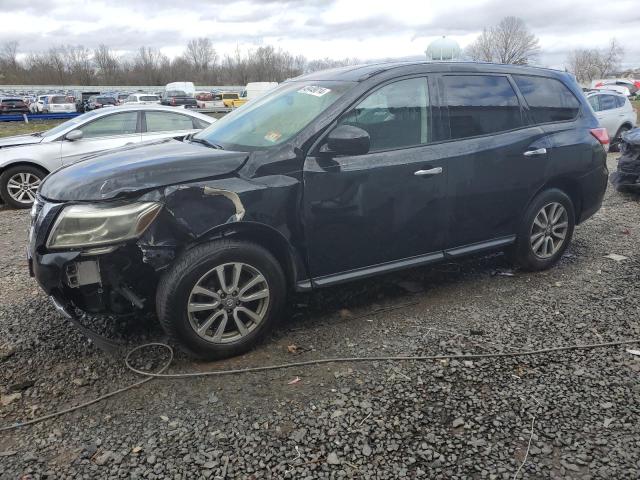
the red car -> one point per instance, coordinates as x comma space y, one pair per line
13, 106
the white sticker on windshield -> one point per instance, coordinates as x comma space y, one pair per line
314, 90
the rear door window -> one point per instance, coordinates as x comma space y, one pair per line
620, 101
549, 99
167, 121
608, 102
481, 105
594, 102
395, 116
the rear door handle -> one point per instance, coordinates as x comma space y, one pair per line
431, 171
539, 151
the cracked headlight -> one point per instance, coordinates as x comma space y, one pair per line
92, 225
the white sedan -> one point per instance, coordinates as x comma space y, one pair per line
26, 159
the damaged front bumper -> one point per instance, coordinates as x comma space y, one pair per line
117, 280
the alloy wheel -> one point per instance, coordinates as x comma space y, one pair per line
549, 230
228, 302
22, 187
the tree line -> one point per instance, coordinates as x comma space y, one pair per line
509, 41
200, 63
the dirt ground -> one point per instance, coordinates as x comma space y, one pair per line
432, 419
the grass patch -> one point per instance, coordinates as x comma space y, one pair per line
18, 128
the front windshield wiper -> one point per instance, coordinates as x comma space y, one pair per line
206, 142
36, 134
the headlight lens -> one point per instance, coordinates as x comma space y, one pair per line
91, 225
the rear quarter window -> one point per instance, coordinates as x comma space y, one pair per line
549, 99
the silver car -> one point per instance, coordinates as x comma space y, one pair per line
26, 159
614, 112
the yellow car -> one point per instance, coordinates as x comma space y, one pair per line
229, 99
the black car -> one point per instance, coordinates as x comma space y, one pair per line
331, 177
96, 101
178, 98
13, 106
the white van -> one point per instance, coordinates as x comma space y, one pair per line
186, 87
257, 89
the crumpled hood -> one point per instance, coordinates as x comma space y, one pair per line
138, 168
19, 140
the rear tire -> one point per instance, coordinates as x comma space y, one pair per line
545, 231
215, 315
18, 185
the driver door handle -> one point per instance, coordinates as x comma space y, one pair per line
539, 151
431, 171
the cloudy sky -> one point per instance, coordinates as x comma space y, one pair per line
366, 29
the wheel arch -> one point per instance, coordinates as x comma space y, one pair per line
266, 237
567, 185
27, 163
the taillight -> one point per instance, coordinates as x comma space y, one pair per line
601, 135
173, 101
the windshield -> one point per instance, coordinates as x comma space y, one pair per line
275, 117
58, 100
70, 123
176, 93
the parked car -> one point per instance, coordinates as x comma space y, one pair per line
13, 105
614, 112
620, 89
95, 102
204, 99
26, 159
38, 105
142, 99
178, 98
331, 177
58, 104
81, 99
187, 87
121, 98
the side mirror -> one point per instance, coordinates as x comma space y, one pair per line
348, 140
74, 135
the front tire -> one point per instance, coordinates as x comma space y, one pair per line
219, 299
545, 231
18, 185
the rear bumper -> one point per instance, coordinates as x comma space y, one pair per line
593, 186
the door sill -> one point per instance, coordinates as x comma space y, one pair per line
405, 263
479, 247
364, 272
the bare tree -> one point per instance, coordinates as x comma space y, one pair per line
588, 64
9, 66
482, 49
510, 41
107, 65
201, 54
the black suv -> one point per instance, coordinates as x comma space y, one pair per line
333, 176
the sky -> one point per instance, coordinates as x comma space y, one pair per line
364, 29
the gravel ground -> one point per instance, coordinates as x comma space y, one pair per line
432, 419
